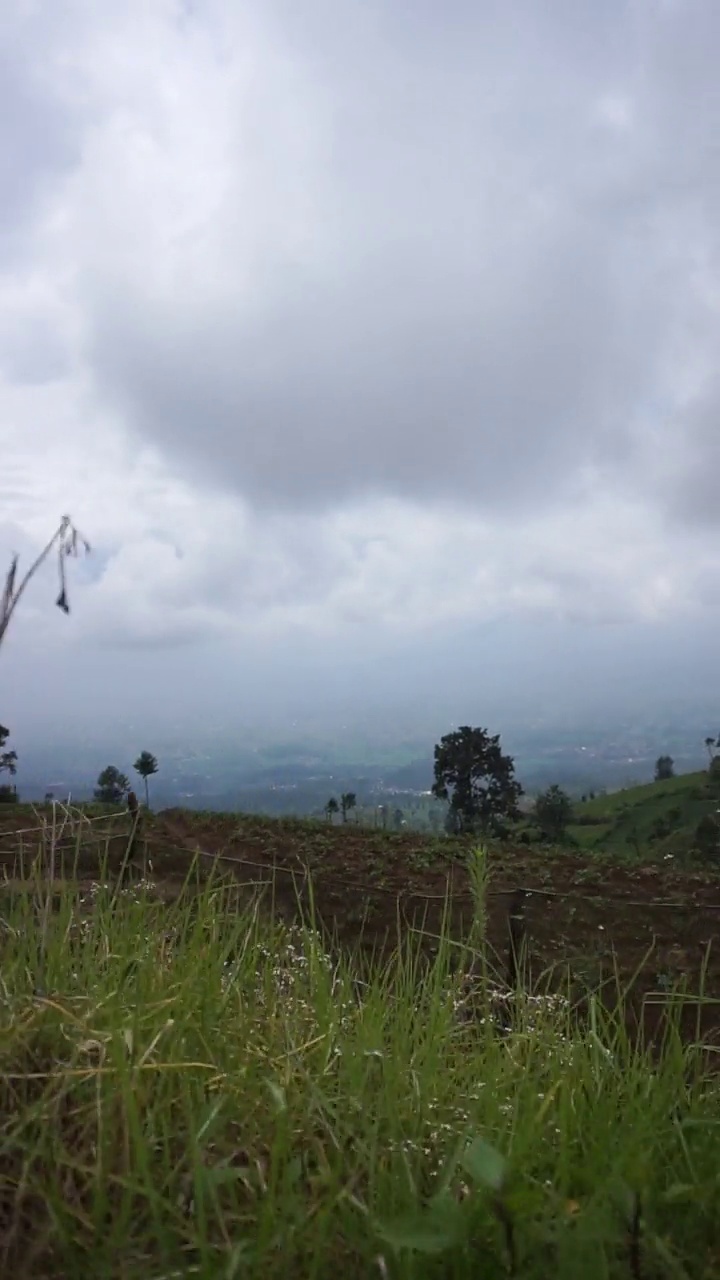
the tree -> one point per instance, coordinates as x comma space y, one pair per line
711, 744
331, 808
348, 801
707, 838
8, 759
664, 768
553, 812
66, 540
479, 781
112, 786
146, 765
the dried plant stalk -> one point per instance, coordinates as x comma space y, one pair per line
67, 541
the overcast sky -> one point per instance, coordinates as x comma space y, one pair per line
342, 326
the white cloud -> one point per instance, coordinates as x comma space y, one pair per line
332, 332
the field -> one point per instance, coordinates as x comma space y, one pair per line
260, 1053
658, 820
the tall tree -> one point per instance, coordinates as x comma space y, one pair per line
477, 779
331, 808
146, 765
8, 759
664, 768
348, 801
112, 785
67, 541
553, 812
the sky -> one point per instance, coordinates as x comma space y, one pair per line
371, 345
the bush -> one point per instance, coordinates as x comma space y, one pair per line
8, 794
707, 838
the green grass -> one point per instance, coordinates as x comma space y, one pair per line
648, 822
191, 1092
650, 792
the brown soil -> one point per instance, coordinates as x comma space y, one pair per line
652, 923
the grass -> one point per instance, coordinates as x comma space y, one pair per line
648, 822
189, 1091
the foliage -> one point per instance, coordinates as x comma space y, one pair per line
146, 765
203, 1096
112, 786
8, 795
348, 801
479, 781
8, 759
331, 808
553, 812
707, 837
664, 768
657, 820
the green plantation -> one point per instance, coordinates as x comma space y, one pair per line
673, 818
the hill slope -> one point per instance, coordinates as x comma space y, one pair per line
656, 821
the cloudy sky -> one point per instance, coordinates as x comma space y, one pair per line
340, 327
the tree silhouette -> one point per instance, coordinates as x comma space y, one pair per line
8, 759
479, 781
146, 765
711, 744
348, 801
112, 786
67, 541
664, 768
553, 812
331, 808
707, 837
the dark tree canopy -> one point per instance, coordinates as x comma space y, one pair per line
8, 759
707, 837
348, 801
112, 786
553, 812
146, 765
477, 779
664, 768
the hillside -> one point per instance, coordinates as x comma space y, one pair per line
652, 822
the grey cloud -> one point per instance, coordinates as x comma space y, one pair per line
39, 133
497, 280
32, 350
494, 281
693, 487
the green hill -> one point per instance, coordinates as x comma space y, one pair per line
658, 820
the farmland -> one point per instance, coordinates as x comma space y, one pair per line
246, 1058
